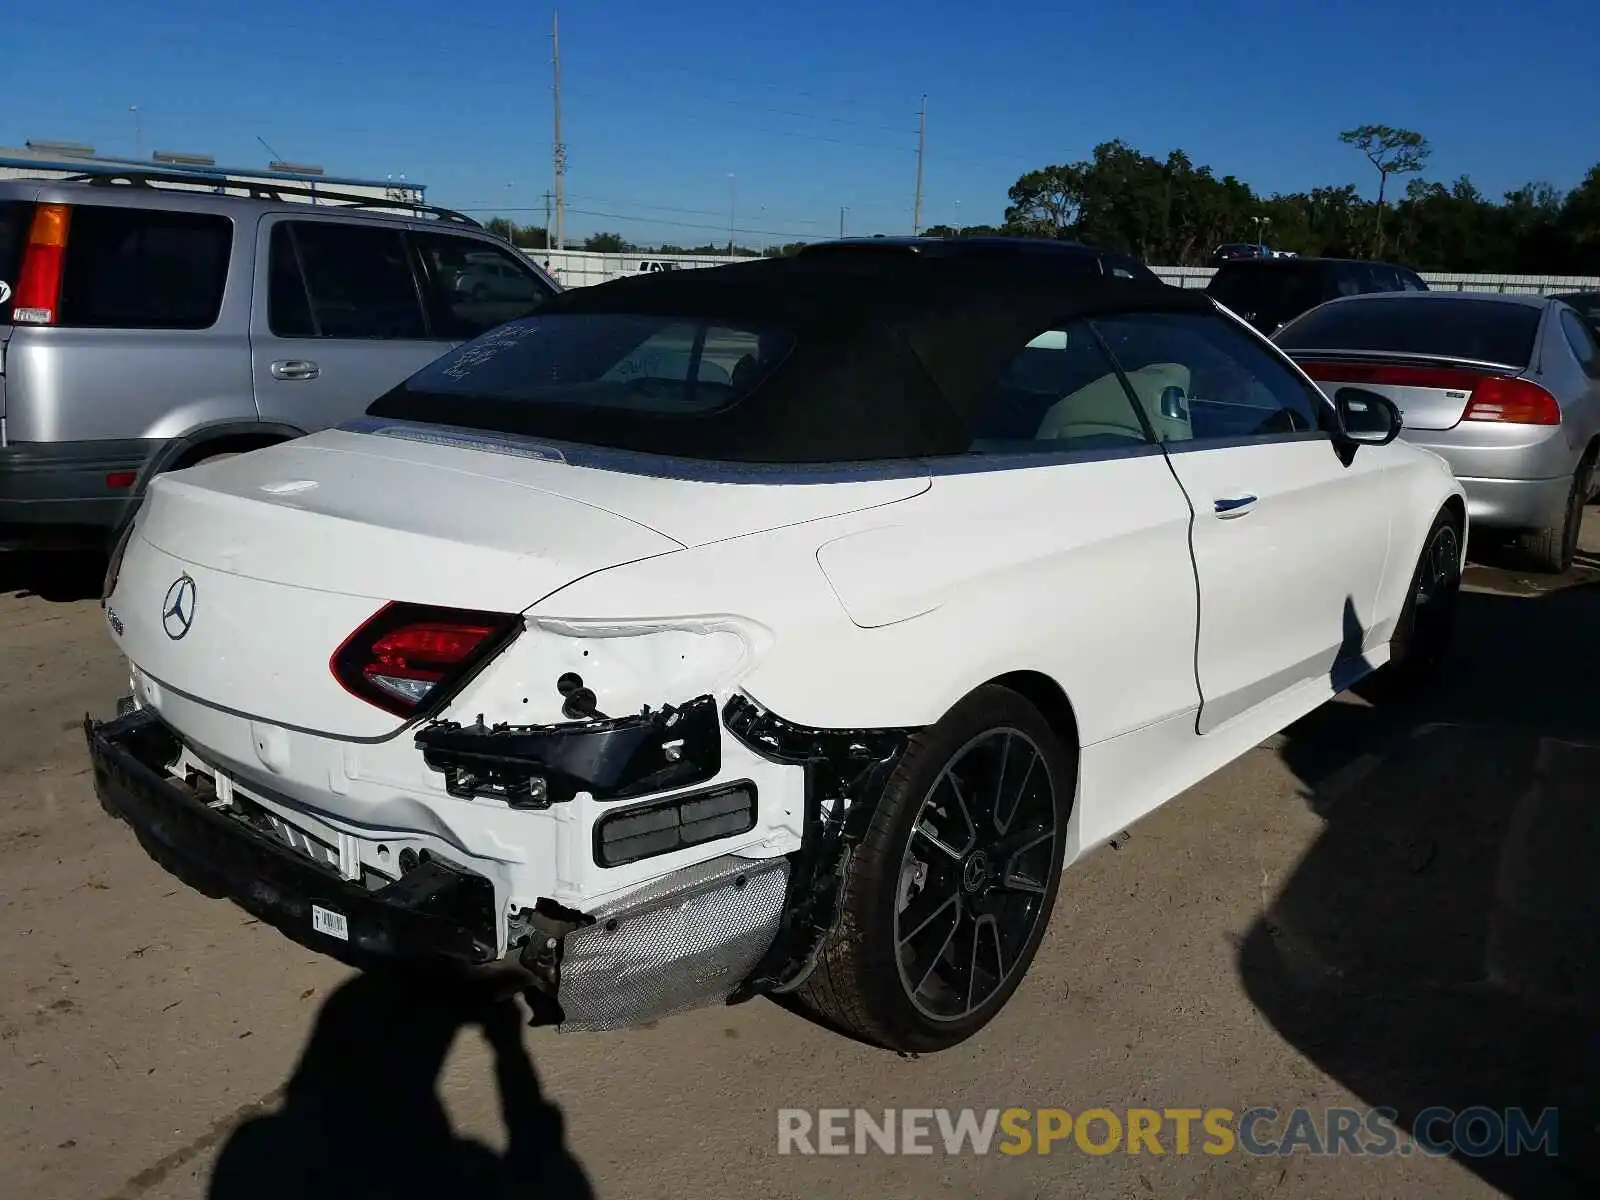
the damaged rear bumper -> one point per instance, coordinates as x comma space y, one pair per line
438, 912
686, 940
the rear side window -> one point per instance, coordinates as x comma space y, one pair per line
1385, 278
474, 285
1059, 393
354, 281
1074, 260
1487, 330
1202, 379
1412, 282
1587, 304
15, 216
1267, 292
1582, 343
1355, 279
137, 268
1120, 266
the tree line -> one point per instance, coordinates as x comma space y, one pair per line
1171, 212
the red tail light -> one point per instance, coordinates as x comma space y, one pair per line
38, 291
1515, 401
408, 656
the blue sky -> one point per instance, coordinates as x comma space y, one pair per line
673, 113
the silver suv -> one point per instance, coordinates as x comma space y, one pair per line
146, 326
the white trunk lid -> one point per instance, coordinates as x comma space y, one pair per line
292, 548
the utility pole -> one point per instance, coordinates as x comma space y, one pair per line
138, 132
922, 142
560, 147
731, 197
547, 242
842, 210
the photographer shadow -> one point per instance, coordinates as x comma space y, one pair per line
361, 1115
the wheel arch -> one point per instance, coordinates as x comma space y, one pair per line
1457, 508
233, 437
1050, 698
221, 437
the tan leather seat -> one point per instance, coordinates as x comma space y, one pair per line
1102, 407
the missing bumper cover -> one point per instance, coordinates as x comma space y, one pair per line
535, 766
846, 770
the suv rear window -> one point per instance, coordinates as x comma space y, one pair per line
1078, 260
643, 364
142, 268
1267, 291
1487, 330
15, 216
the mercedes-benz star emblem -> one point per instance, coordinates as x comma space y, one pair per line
177, 610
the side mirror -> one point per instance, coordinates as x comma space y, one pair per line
1172, 404
1367, 418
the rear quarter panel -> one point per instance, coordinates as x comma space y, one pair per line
1421, 484
982, 575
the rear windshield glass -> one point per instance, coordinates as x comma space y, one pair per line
1278, 290
14, 218
135, 268
1488, 330
645, 364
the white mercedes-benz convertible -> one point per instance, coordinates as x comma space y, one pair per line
787, 627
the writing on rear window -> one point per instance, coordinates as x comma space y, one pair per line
620, 361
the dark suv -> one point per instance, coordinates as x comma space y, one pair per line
1074, 257
1271, 292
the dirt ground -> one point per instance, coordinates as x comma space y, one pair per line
1381, 906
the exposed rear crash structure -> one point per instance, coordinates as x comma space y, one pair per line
724, 929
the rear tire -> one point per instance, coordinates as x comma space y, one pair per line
1421, 637
947, 898
1554, 547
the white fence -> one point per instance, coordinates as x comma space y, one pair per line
1439, 281
579, 268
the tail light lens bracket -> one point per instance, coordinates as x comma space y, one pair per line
535, 766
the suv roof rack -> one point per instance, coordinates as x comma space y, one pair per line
267, 190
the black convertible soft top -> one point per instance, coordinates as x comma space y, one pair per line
889, 358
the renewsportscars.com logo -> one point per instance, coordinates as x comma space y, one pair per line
1473, 1132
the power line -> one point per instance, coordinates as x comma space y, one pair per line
746, 106
612, 200
777, 233
768, 131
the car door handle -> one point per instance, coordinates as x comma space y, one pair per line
1234, 506
295, 368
